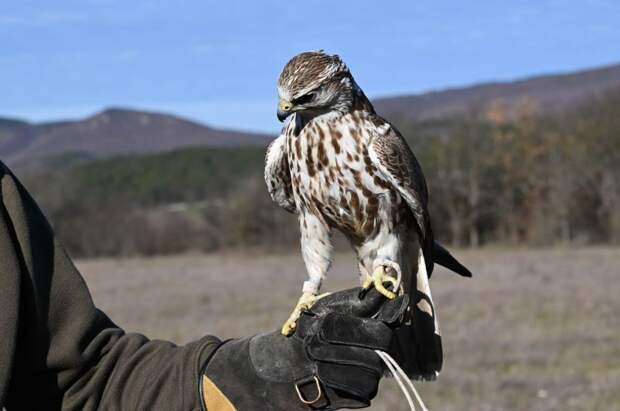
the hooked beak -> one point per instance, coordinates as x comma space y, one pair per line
285, 109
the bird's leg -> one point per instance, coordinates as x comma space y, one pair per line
381, 275
364, 274
316, 250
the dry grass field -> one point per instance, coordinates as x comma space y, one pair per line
533, 330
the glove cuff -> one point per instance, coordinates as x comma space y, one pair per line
212, 398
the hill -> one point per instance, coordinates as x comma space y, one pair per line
111, 132
542, 177
191, 198
539, 180
118, 131
548, 93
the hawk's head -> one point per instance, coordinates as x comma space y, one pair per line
314, 83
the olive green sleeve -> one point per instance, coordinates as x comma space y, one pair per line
58, 351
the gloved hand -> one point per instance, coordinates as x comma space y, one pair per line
327, 364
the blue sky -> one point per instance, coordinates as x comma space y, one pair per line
217, 62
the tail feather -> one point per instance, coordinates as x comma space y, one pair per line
420, 339
443, 257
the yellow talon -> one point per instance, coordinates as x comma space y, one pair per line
368, 282
306, 301
377, 279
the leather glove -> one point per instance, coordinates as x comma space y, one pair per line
328, 363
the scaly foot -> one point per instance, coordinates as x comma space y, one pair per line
378, 278
306, 301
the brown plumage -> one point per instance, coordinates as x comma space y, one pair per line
351, 170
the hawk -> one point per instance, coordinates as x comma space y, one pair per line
339, 165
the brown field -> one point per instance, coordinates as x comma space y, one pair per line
534, 330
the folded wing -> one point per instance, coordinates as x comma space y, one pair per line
278, 176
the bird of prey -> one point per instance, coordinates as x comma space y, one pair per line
339, 165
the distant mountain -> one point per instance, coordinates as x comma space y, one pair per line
119, 131
114, 131
547, 93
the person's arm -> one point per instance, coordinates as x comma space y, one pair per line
57, 350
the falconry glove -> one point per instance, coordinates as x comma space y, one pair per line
328, 363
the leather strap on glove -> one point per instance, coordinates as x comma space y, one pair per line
327, 364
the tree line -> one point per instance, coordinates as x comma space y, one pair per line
513, 177
498, 176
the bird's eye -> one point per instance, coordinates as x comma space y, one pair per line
306, 98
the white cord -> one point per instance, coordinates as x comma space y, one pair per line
397, 377
401, 379
398, 373
407, 381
